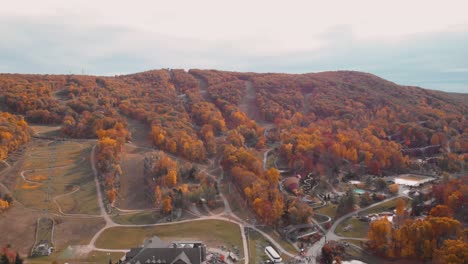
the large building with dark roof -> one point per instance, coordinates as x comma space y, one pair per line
155, 251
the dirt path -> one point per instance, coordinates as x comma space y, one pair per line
6, 163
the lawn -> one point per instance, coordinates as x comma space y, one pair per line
44, 229
385, 207
290, 248
142, 218
83, 201
353, 241
66, 256
47, 131
257, 244
320, 218
54, 154
212, 232
329, 209
358, 228
71, 170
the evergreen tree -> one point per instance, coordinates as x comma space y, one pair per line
4, 259
18, 259
346, 203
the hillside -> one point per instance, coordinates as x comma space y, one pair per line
357, 110
158, 142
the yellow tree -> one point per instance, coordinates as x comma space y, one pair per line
171, 178
452, 252
441, 211
3, 205
167, 205
400, 211
157, 196
272, 175
380, 236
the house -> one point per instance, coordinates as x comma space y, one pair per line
155, 251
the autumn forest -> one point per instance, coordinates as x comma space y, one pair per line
325, 125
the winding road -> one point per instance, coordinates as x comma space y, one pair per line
314, 251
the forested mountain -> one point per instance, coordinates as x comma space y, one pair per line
319, 122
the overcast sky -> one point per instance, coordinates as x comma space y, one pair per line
414, 42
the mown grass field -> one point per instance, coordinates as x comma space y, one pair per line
59, 154
137, 218
357, 228
329, 209
44, 229
385, 207
68, 170
257, 244
213, 233
63, 257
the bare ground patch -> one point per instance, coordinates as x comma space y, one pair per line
18, 228
75, 231
140, 133
249, 106
132, 195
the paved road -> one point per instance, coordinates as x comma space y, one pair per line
314, 251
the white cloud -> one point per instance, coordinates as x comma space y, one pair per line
456, 70
405, 41
256, 26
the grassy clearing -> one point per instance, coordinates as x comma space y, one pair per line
44, 229
329, 209
320, 218
270, 161
45, 130
257, 244
212, 232
64, 153
290, 248
63, 257
353, 241
385, 207
83, 201
357, 228
57, 181
142, 218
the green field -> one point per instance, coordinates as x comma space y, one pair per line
353, 241
257, 244
44, 229
329, 209
358, 228
212, 232
44, 233
71, 170
54, 154
142, 218
64, 257
287, 246
385, 207
47, 130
